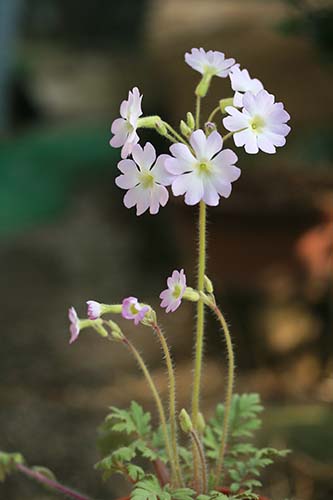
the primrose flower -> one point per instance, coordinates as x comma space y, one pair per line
144, 180
124, 128
241, 82
94, 309
261, 125
74, 326
132, 309
205, 175
212, 62
172, 296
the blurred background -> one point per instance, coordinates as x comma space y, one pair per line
66, 237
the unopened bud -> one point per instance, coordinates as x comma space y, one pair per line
191, 294
161, 128
99, 328
150, 316
185, 129
185, 421
209, 128
224, 103
116, 332
190, 120
201, 424
208, 285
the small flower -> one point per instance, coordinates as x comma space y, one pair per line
205, 176
261, 125
172, 296
94, 309
212, 62
144, 180
124, 128
132, 309
241, 82
74, 326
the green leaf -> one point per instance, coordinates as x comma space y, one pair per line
131, 421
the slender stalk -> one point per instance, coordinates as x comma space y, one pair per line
228, 398
172, 402
157, 399
200, 316
213, 113
50, 483
175, 133
227, 136
197, 112
203, 466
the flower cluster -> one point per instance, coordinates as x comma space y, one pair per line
198, 166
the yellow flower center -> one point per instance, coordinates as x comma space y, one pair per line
147, 180
133, 309
204, 168
257, 124
177, 291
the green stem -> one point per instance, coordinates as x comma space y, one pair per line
175, 133
213, 113
197, 112
227, 136
172, 402
203, 466
228, 398
200, 315
157, 398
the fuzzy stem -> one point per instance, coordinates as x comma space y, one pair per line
200, 315
213, 113
228, 398
172, 402
157, 399
51, 483
203, 466
197, 112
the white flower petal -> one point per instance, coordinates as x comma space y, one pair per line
213, 144
160, 172
159, 196
226, 157
198, 142
265, 144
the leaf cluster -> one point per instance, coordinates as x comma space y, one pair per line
243, 460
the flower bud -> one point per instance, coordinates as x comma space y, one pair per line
191, 294
208, 285
99, 328
229, 101
185, 129
201, 424
209, 128
116, 332
190, 120
185, 421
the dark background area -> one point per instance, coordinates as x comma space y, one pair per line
66, 237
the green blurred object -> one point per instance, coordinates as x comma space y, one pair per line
39, 170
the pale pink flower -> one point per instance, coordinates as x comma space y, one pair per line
93, 309
124, 128
74, 326
205, 175
261, 125
172, 296
211, 62
132, 309
241, 82
145, 180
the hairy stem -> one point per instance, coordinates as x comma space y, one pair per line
172, 402
200, 315
51, 483
157, 399
203, 466
228, 398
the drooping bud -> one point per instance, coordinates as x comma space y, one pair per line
209, 128
208, 285
116, 332
185, 421
99, 328
191, 294
190, 120
185, 129
201, 424
224, 103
